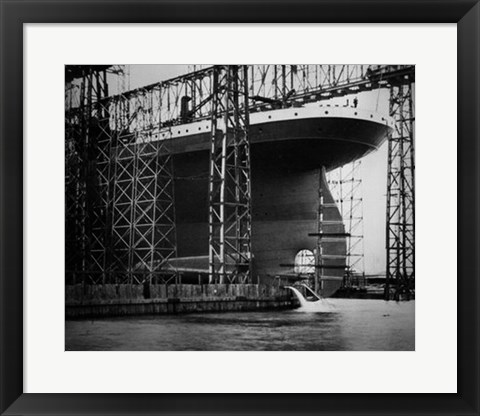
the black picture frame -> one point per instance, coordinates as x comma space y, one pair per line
466, 13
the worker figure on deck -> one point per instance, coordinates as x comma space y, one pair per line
355, 102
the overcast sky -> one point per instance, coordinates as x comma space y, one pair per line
374, 166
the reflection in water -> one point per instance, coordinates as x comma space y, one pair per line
353, 324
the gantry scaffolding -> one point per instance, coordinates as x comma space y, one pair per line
400, 236
319, 249
120, 221
230, 220
120, 210
142, 200
346, 187
83, 198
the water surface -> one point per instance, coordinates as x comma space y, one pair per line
351, 324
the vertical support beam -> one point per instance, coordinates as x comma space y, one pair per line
101, 147
400, 232
86, 147
354, 219
86, 175
98, 162
229, 181
74, 196
346, 187
122, 193
319, 249
143, 210
330, 248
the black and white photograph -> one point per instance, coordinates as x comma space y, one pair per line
259, 207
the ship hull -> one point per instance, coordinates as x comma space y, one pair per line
286, 160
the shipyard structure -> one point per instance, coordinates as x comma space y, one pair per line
203, 192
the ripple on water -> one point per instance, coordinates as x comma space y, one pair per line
350, 324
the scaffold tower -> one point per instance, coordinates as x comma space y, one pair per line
319, 255
120, 201
401, 192
143, 208
346, 187
84, 152
229, 183
120, 221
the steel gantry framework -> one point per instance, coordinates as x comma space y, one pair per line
230, 221
142, 201
83, 185
120, 211
400, 236
346, 186
120, 201
319, 252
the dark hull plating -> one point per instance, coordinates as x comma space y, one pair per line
285, 157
